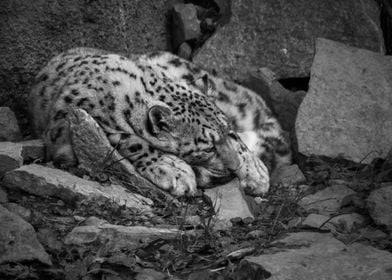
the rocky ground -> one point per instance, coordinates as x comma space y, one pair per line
322, 68
327, 219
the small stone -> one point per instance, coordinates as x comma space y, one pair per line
229, 203
10, 157
186, 25
326, 201
18, 241
248, 220
49, 239
349, 222
294, 222
318, 222
258, 200
185, 51
9, 128
236, 220
3, 195
372, 234
33, 150
379, 204
255, 234
288, 175
24, 213
79, 218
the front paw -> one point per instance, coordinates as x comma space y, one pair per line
172, 174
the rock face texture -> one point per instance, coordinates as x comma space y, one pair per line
229, 203
347, 110
44, 181
31, 34
9, 128
380, 206
18, 241
327, 201
309, 259
280, 35
10, 156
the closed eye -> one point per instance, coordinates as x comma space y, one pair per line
210, 150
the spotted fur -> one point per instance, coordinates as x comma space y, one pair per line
246, 111
165, 123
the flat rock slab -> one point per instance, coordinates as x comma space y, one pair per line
10, 156
18, 241
379, 204
288, 175
44, 181
321, 256
9, 128
348, 222
347, 110
280, 35
117, 237
229, 203
327, 201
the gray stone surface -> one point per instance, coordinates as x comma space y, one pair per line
346, 222
3, 195
19, 210
117, 237
280, 35
229, 203
33, 150
327, 201
186, 25
347, 110
18, 241
379, 204
321, 256
288, 175
9, 128
44, 181
10, 156
32, 34
95, 158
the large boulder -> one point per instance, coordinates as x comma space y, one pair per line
31, 33
280, 35
347, 110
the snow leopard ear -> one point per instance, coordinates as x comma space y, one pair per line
160, 120
206, 86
